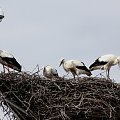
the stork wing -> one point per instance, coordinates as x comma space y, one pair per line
78, 63
107, 58
98, 62
12, 63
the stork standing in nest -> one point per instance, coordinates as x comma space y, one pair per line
105, 62
49, 72
75, 67
7, 59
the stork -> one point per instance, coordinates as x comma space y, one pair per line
1, 14
105, 62
7, 59
75, 67
49, 72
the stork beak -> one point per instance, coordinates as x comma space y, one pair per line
60, 64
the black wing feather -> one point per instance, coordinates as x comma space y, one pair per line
11, 62
83, 68
98, 63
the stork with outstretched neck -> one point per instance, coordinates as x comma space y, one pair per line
76, 67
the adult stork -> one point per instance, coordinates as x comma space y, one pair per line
75, 67
1, 14
7, 59
105, 62
49, 72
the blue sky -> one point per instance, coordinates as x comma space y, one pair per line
44, 31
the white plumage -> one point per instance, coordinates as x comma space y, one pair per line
1, 14
105, 62
75, 67
49, 72
7, 59
4, 53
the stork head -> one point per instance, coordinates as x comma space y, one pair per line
62, 60
44, 67
1, 14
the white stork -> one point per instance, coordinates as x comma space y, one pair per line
49, 72
75, 67
1, 14
7, 59
105, 62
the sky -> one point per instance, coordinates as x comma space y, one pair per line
44, 31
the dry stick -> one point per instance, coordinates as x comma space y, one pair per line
64, 116
21, 102
38, 69
17, 108
53, 118
57, 86
82, 98
10, 107
29, 103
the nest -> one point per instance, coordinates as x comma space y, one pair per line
32, 97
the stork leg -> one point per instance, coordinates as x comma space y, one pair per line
74, 76
107, 73
73, 73
4, 68
77, 78
8, 69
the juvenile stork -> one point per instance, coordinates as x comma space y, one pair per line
7, 59
105, 62
75, 67
1, 14
49, 72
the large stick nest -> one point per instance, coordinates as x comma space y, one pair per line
31, 97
